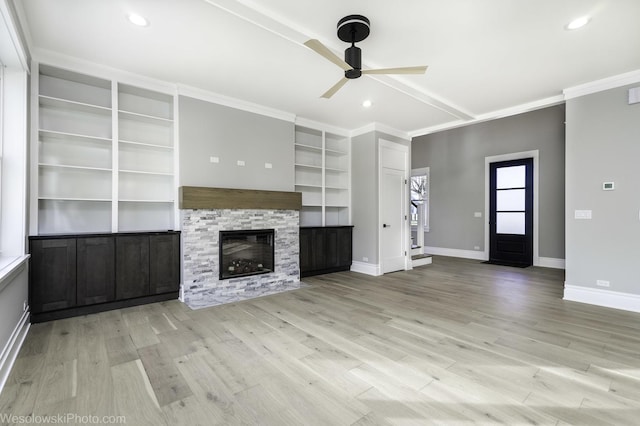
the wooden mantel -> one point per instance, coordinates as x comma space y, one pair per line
198, 197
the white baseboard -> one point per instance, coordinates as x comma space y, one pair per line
551, 262
606, 298
421, 262
366, 268
10, 351
466, 254
545, 262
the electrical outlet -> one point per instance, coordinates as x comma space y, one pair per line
476, 247
240, 163
365, 259
602, 283
268, 166
214, 159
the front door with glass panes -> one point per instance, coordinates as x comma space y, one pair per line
511, 212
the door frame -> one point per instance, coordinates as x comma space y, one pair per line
535, 154
406, 196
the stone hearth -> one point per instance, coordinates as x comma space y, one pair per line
200, 232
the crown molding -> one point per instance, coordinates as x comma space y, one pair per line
379, 127
493, 115
109, 73
216, 98
612, 82
72, 63
305, 122
369, 128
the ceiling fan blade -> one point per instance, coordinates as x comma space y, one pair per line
323, 50
404, 70
329, 93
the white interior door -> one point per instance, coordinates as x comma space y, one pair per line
393, 246
394, 230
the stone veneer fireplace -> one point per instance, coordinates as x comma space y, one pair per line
201, 228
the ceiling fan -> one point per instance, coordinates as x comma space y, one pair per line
353, 29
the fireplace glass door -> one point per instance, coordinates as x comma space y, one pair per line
247, 252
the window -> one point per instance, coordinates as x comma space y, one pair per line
13, 162
13, 142
510, 200
420, 198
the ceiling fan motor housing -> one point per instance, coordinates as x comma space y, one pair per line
353, 56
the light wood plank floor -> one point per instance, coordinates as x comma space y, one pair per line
455, 342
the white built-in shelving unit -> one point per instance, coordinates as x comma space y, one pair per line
145, 159
322, 165
105, 155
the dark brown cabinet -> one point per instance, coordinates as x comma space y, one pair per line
80, 274
132, 266
95, 277
52, 274
164, 262
325, 249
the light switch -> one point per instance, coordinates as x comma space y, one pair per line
214, 159
582, 214
268, 166
477, 214
240, 163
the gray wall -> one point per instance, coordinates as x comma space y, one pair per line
364, 197
456, 159
212, 130
364, 194
603, 144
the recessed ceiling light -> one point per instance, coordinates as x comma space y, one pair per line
138, 20
367, 103
578, 23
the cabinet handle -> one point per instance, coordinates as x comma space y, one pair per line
384, 225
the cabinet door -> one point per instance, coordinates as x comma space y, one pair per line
132, 266
345, 246
96, 270
52, 274
164, 264
318, 249
306, 252
331, 248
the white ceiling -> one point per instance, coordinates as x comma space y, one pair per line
484, 56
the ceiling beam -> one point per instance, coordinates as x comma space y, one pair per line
257, 15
